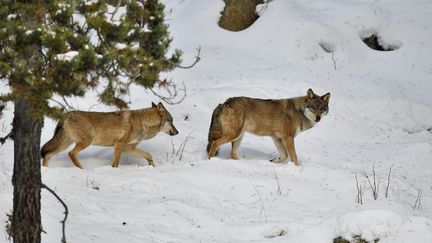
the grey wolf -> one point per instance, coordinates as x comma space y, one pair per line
121, 129
281, 119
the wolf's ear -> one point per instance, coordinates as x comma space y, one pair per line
310, 94
160, 106
326, 97
154, 105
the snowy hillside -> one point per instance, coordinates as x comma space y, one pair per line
380, 113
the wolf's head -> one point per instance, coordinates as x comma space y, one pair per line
167, 125
316, 106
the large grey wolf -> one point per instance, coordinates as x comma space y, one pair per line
121, 129
280, 119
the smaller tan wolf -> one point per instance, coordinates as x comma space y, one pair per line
121, 129
280, 119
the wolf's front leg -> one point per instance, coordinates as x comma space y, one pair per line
288, 142
118, 148
281, 149
132, 150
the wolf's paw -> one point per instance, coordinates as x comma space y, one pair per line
151, 163
276, 160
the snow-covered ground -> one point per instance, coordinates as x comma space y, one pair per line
380, 110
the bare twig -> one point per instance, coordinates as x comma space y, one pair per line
2, 106
182, 146
63, 222
262, 211
171, 88
91, 107
417, 203
359, 197
329, 49
279, 190
8, 136
173, 148
388, 182
197, 59
65, 106
334, 61
178, 153
374, 186
115, 10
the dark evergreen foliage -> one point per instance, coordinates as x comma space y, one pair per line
66, 47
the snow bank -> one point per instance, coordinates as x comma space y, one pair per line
384, 225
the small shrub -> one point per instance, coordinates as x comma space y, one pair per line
355, 239
8, 226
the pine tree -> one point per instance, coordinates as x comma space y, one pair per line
65, 48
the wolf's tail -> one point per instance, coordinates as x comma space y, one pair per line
215, 130
55, 143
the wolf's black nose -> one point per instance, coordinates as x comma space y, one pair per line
172, 133
318, 118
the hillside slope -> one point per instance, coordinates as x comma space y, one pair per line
380, 110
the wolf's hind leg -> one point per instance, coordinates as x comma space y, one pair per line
49, 155
136, 152
227, 137
281, 149
235, 146
232, 127
73, 154
218, 142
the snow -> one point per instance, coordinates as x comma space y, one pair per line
120, 46
68, 56
379, 116
91, 2
11, 16
146, 28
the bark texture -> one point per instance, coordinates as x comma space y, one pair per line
26, 179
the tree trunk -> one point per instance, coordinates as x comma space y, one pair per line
26, 179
